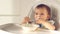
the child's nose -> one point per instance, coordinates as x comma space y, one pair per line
39, 16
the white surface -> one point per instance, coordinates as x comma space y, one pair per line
4, 32
6, 7
5, 20
17, 29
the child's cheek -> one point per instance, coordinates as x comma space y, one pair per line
45, 18
36, 17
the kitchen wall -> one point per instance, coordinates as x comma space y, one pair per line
8, 11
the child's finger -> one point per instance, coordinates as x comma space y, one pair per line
26, 19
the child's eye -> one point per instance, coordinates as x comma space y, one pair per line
42, 14
36, 13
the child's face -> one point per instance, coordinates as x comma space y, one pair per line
41, 13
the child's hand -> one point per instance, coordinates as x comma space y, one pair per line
46, 24
26, 19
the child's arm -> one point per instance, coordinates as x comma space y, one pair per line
25, 20
46, 24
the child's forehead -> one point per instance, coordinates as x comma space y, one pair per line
40, 10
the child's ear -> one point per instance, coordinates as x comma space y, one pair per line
48, 17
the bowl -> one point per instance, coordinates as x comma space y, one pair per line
29, 27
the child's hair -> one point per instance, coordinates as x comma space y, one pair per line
44, 6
